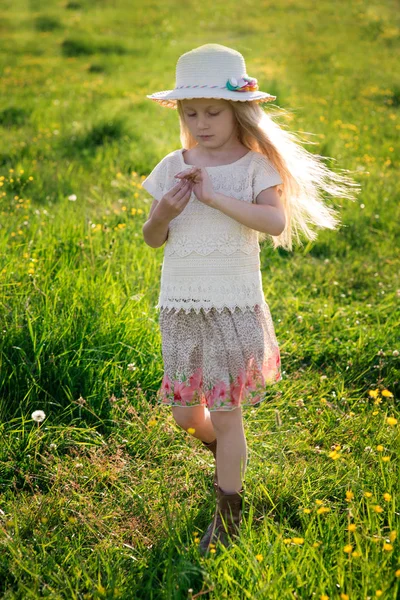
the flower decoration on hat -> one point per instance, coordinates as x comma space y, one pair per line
244, 84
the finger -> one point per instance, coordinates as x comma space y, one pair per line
183, 187
187, 173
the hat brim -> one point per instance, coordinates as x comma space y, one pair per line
169, 97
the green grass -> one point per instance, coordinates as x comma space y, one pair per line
102, 499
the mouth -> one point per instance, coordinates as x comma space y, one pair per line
205, 137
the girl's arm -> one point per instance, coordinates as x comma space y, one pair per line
155, 230
267, 216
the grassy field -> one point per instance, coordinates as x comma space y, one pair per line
102, 499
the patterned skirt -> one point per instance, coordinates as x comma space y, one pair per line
220, 360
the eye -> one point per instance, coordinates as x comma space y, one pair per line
211, 114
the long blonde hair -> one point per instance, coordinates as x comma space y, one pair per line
305, 177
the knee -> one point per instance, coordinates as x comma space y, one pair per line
186, 417
224, 421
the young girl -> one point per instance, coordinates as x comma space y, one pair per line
238, 178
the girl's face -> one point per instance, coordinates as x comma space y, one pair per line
209, 116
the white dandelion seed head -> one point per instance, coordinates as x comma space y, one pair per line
38, 416
72, 197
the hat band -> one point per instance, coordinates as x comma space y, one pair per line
244, 84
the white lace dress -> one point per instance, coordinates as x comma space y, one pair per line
218, 340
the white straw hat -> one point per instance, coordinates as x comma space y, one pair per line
212, 71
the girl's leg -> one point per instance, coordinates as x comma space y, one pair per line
231, 449
197, 417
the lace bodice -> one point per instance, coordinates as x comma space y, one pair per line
210, 259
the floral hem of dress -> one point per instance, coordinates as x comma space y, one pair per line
247, 389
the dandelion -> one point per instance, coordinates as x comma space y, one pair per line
387, 497
368, 494
376, 412
307, 510
392, 535
348, 548
387, 393
319, 502
323, 509
287, 540
298, 540
38, 416
373, 393
385, 458
323, 597
397, 573
316, 544
344, 596
377, 508
191, 430
349, 495
380, 448
352, 527
391, 421
152, 422
259, 557
378, 593
356, 554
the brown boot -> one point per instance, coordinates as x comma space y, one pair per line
226, 522
213, 447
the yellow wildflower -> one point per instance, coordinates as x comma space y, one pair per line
349, 495
352, 527
152, 422
316, 544
387, 394
287, 540
319, 502
391, 421
259, 557
385, 458
334, 455
323, 597
344, 596
387, 497
298, 540
378, 593
323, 509
397, 573
191, 430
387, 547
377, 508
368, 494
373, 393
356, 554
380, 448
307, 510
348, 548
392, 535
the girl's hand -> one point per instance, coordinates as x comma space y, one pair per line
201, 183
174, 201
